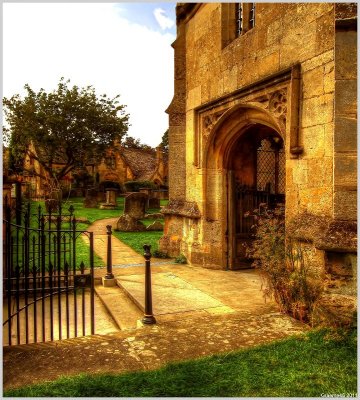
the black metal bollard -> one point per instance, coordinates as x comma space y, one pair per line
109, 274
148, 316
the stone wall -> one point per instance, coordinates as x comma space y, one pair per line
216, 73
345, 138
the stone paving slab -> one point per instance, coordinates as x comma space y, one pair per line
170, 294
229, 313
144, 349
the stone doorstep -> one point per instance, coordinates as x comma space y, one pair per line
125, 304
123, 311
171, 295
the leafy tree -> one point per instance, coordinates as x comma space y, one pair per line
130, 142
165, 141
71, 124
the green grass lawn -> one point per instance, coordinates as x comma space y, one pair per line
313, 365
90, 214
135, 240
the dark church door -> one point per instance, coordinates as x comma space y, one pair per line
268, 189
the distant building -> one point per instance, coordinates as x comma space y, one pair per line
118, 166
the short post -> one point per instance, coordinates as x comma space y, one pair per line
109, 274
109, 279
148, 316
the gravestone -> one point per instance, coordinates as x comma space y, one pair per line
53, 201
110, 200
145, 190
154, 203
90, 200
155, 226
126, 223
135, 205
101, 197
51, 205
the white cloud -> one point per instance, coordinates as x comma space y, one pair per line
91, 44
164, 21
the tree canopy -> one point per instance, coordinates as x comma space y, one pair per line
130, 142
70, 126
165, 141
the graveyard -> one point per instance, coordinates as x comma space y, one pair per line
220, 261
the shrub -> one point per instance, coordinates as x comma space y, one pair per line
134, 186
283, 265
181, 259
160, 254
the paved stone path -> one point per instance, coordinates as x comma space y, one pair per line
121, 253
230, 314
144, 349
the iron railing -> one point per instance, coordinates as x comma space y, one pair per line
48, 292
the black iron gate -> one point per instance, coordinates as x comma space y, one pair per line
48, 286
249, 199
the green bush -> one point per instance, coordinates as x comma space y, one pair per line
160, 254
134, 186
181, 259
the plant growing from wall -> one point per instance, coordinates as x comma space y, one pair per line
283, 265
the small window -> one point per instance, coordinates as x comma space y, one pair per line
110, 161
252, 15
239, 19
236, 19
244, 17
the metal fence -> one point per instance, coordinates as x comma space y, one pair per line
48, 287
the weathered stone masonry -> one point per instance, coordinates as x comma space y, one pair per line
292, 76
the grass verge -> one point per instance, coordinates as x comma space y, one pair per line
136, 240
312, 365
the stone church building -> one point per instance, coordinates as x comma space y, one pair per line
264, 111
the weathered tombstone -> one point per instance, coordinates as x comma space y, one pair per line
126, 223
110, 200
155, 226
53, 201
148, 192
135, 205
90, 200
51, 205
101, 197
145, 190
154, 203
161, 194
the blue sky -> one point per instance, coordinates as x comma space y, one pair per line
122, 48
143, 14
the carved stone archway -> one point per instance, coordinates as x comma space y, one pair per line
230, 128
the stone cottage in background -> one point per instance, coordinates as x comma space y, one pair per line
120, 165
264, 110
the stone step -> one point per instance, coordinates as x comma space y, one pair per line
124, 312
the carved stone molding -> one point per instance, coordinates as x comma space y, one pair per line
275, 102
209, 121
278, 103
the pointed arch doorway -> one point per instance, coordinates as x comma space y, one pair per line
256, 175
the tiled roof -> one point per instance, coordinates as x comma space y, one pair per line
141, 162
